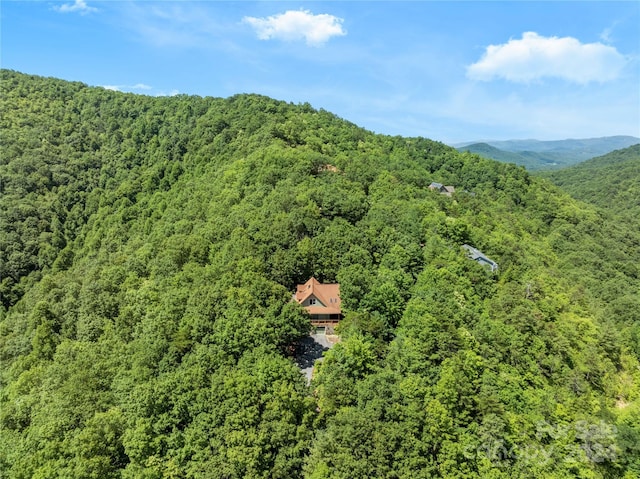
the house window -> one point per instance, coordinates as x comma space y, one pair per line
312, 301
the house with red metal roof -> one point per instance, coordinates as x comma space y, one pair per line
322, 301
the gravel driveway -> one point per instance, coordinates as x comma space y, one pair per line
309, 351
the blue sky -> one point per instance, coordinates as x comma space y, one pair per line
450, 71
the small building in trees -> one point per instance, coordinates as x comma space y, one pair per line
480, 257
322, 301
443, 190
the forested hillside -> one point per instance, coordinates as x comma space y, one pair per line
611, 182
149, 251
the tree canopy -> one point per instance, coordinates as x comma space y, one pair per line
149, 248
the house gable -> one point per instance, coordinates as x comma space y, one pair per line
322, 301
442, 189
313, 300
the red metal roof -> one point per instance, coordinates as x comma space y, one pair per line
327, 294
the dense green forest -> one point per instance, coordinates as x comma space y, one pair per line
611, 182
149, 251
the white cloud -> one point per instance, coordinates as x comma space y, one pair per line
297, 25
142, 89
544, 113
605, 36
173, 92
140, 86
534, 57
178, 24
79, 6
137, 86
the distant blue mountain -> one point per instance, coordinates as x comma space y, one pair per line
541, 155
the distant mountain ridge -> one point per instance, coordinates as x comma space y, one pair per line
539, 155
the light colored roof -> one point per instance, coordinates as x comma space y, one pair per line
473, 253
477, 255
445, 190
327, 294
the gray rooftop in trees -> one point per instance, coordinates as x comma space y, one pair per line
480, 257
